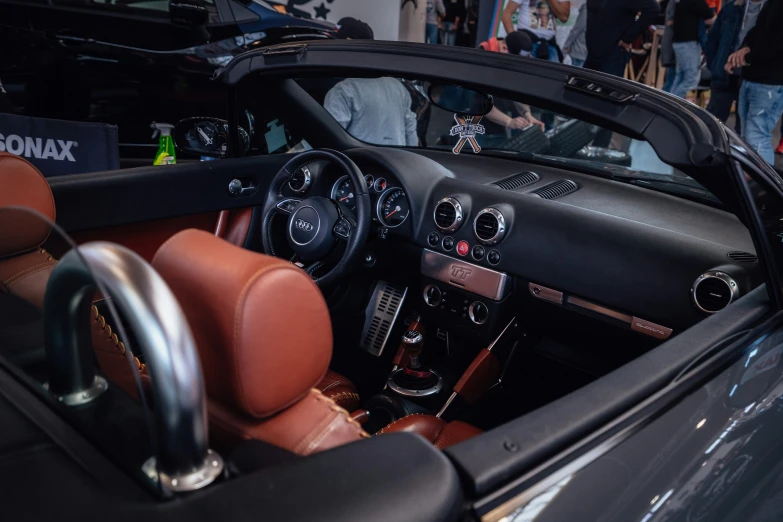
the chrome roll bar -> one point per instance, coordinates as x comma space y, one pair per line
156, 319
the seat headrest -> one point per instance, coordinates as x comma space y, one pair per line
261, 324
22, 185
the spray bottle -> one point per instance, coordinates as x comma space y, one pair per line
166, 154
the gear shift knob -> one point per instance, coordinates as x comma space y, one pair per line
412, 343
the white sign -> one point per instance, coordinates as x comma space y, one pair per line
383, 16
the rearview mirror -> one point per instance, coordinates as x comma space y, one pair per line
460, 100
188, 13
207, 137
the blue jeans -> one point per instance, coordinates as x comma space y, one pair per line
688, 55
448, 35
553, 56
668, 79
431, 34
576, 62
760, 108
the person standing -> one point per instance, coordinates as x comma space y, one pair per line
612, 26
687, 49
761, 94
575, 45
734, 22
435, 9
538, 18
455, 15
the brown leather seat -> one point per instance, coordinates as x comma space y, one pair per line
265, 341
25, 269
441, 433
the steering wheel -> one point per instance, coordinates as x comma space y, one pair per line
316, 225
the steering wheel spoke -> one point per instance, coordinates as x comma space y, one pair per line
309, 267
287, 206
343, 228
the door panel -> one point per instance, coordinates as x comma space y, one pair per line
141, 208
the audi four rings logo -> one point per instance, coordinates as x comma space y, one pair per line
460, 272
301, 224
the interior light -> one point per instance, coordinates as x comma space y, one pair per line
701, 423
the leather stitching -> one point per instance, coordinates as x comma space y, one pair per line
396, 421
26, 272
337, 397
119, 345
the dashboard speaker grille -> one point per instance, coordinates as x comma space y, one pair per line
556, 190
486, 227
742, 257
712, 294
445, 215
518, 180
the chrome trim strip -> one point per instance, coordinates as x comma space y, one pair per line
471, 278
547, 294
587, 305
308, 179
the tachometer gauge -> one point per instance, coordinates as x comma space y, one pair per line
342, 191
393, 208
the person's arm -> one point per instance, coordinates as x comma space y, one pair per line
508, 12
440, 8
580, 26
713, 39
763, 42
338, 103
648, 10
671, 7
411, 126
703, 10
560, 8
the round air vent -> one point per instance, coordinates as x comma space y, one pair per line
489, 226
301, 180
742, 257
448, 214
713, 291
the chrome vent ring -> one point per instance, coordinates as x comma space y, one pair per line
448, 215
301, 180
713, 291
489, 227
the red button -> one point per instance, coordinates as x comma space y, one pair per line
462, 248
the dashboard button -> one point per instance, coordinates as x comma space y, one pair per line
493, 257
478, 252
448, 243
433, 239
463, 248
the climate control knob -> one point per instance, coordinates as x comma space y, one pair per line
432, 295
478, 312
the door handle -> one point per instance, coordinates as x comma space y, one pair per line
242, 188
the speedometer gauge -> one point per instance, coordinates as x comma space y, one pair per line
342, 191
393, 208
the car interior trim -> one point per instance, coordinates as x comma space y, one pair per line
547, 294
471, 278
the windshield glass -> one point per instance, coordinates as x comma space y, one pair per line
79, 357
394, 112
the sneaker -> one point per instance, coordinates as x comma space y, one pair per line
779, 150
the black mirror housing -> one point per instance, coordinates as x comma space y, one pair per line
460, 100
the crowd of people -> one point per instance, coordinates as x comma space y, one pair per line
732, 47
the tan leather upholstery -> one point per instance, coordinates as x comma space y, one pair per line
24, 266
21, 185
442, 434
340, 390
265, 340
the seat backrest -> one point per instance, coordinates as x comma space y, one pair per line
265, 341
24, 266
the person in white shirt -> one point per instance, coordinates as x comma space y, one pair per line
538, 18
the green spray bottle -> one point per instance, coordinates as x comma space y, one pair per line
166, 154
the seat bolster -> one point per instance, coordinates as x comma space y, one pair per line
341, 390
311, 425
26, 275
437, 431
